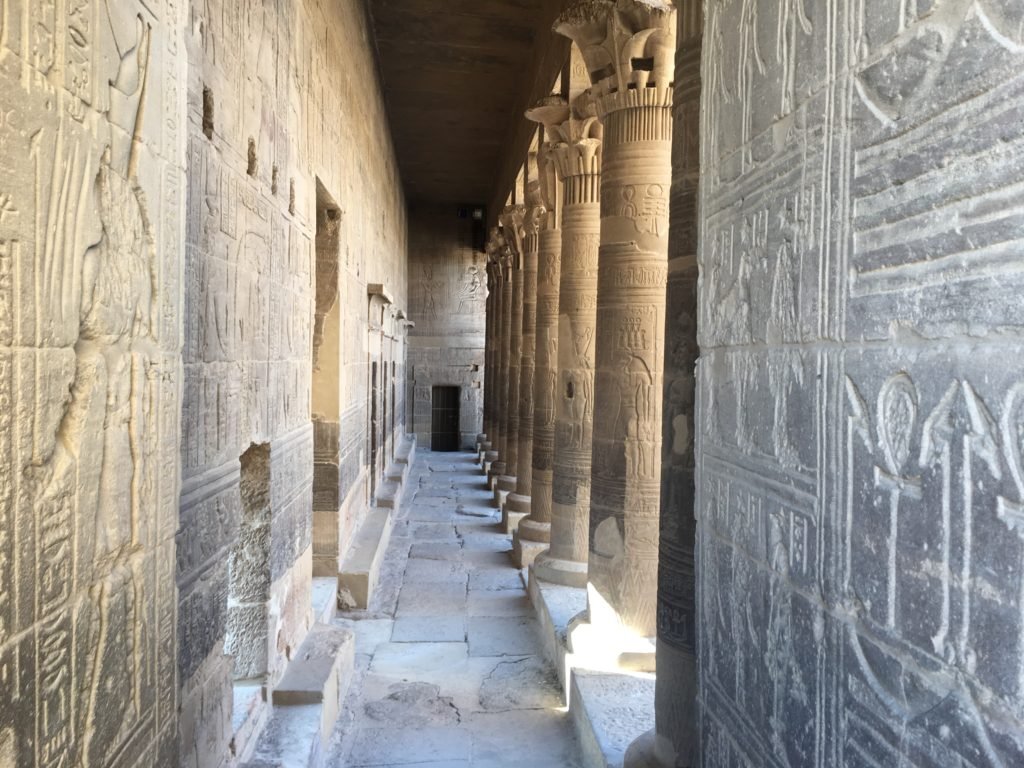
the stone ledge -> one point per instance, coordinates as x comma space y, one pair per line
360, 567
388, 494
555, 607
406, 452
307, 701
610, 711
324, 598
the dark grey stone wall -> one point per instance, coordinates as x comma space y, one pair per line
860, 419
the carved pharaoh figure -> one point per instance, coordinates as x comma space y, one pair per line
103, 442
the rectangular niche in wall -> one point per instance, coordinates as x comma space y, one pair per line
444, 419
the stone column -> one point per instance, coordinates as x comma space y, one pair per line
497, 467
675, 740
490, 358
630, 46
534, 532
517, 505
512, 229
578, 164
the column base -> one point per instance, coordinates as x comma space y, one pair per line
651, 751
496, 470
525, 551
568, 573
530, 539
514, 508
503, 486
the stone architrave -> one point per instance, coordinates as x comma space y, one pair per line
577, 159
629, 47
534, 532
512, 227
675, 740
517, 504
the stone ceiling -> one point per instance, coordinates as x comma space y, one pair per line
455, 73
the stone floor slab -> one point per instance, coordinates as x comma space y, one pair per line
502, 636
432, 599
499, 602
429, 629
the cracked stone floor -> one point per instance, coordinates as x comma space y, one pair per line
449, 668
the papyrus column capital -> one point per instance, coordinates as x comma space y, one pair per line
629, 49
550, 111
511, 220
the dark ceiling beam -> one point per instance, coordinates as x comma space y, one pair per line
550, 52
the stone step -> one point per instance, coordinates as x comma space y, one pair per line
388, 494
609, 712
405, 453
396, 473
307, 702
361, 566
324, 598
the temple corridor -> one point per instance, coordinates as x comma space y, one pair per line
492, 383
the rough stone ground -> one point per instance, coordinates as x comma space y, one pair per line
449, 668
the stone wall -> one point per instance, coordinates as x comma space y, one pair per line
861, 404
91, 226
447, 292
285, 124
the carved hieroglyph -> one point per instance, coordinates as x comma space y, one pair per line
577, 158
551, 111
629, 48
90, 401
859, 423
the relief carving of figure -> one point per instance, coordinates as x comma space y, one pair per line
469, 292
111, 397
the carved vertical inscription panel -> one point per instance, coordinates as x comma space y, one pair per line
90, 255
858, 426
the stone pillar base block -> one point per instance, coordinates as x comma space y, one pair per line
510, 519
568, 573
503, 486
517, 502
525, 551
496, 470
651, 751
531, 530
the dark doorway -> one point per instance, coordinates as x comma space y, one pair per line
444, 421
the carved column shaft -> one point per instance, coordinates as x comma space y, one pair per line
579, 168
634, 102
512, 229
524, 464
675, 741
501, 389
534, 532
491, 335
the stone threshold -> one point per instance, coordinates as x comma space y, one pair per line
609, 709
